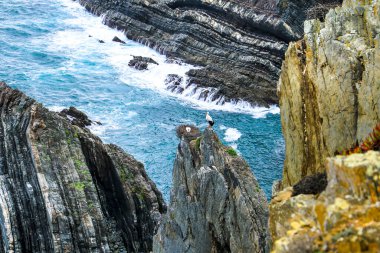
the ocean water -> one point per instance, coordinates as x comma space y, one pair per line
49, 49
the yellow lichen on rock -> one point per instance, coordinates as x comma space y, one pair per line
344, 218
329, 89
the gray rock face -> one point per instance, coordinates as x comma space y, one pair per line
63, 190
242, 42
216, 203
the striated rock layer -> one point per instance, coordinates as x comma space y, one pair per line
344, 218
216, 203
241, 43
329, 88
63, 190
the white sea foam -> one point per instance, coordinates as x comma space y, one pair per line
232, 135
56, 108
77, 43
222, 127
131, 114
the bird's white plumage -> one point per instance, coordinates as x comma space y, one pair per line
208, 117
188, 129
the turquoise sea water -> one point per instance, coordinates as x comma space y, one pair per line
47, 52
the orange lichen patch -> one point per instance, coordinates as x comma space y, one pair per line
320, 212
343, 218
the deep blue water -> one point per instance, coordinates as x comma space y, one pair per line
46, 51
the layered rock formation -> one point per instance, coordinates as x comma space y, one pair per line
344, 218
330, 99
216, 203
241, 42
329, 88
63, 190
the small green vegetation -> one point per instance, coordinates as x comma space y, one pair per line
198, 143
125, 174
84, 172
140, 193
79, 186
257, 188
232, 152
78, 163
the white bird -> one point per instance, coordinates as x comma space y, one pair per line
209, 119
188, 129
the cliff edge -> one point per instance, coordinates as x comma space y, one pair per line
63, 190
329, 87
216, 203
329, 93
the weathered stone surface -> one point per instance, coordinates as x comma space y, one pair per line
242, 41
344, 218
140, 62
329, 87
63, 190
77, 117
216, 203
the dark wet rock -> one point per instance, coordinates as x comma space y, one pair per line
116, 39
101, 41
243, 41
63, 190
173, 60
312, 184
77, 117
141, 63
216, 203
173, 83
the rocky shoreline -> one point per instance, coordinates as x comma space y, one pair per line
240, 44
63, 190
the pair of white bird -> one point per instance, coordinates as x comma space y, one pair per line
209, 120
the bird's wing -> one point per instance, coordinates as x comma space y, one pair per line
208, 118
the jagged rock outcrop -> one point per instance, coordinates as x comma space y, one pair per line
329, 88
63, 190
344, 218
216, 203
242, 42
141, 63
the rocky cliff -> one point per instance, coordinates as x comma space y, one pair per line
329, 87
63, 190
216, 203
241, 43
329, 93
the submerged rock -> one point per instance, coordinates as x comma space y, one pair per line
116, 39
216, 203
141, 63
330, 87
62, 189
344, 218
242, 41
